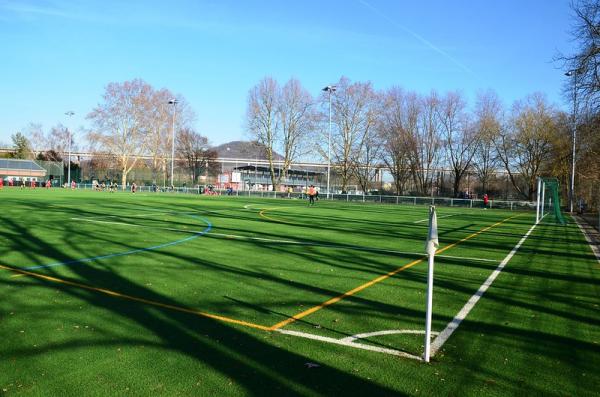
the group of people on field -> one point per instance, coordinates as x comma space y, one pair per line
33, 184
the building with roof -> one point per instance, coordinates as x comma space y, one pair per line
21, 170
257, 177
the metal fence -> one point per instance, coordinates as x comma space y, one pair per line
364, 198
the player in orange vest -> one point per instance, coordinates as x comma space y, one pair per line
1, 183
312, 192
33, 183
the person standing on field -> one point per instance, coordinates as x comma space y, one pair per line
312, 192
486, 200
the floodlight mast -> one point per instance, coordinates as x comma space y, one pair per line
329, 89
173, 102
70, 113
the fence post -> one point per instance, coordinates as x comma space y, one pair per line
415, 200
451, 202
397, 199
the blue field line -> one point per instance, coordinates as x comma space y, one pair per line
154, 247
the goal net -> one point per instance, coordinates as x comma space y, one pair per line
548, 201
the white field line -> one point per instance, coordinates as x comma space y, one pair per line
349, 344
462, 314
439, 217
386, 332
587, 230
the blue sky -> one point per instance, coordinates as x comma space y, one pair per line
59, 55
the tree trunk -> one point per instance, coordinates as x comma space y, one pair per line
124, 177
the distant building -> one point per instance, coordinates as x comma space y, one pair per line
252, 177
19, 170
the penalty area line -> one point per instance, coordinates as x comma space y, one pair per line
443, 336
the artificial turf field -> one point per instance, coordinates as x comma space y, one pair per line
121, 294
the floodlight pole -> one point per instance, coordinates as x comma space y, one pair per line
174, 103
329, 89
70, 113
573, 73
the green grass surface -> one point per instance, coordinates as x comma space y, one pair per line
136, 319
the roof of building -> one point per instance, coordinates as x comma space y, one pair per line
244, 150
14, 167
291, 172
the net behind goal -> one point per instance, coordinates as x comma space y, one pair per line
548, 201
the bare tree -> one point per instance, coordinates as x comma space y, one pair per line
194, 152
424, 144
523, 148
353, 116
158, 119
120, 124
459, 137
262, 119
54, 145
488, 126
37, 138
366, 159
297, 120
585, 62
398, 122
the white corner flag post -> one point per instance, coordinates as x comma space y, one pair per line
430, 247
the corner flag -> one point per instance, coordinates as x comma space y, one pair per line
430, 247
432, 237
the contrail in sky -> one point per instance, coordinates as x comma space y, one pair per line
418, 37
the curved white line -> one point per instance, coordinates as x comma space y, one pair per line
352, 338
361, 346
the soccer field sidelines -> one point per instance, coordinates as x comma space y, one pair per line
229, 285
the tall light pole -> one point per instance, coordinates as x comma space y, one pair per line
70, 113
573, 73
173, 102
329, 89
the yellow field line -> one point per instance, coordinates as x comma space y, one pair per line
376, 280
262, 214
136, 299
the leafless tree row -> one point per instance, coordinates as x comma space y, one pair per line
414, 136
281, 119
